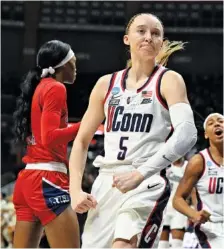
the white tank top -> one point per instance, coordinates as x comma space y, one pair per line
137, 122
210, 188
174, 174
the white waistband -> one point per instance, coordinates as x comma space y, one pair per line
51, 166
111, 170
116, 169
216, 219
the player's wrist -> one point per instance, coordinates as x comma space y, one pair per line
139, 176
192, 213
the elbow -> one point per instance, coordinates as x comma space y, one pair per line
81, 144
48, 140
174, 202
186, 136
79, 147
48, 143
192, 136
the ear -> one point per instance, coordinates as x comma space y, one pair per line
126, 40
206, 136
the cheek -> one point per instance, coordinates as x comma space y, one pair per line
209, 133
135, 39
159, 43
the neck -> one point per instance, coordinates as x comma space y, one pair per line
59, 77
141, 69
217, 151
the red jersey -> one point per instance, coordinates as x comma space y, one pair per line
49, 124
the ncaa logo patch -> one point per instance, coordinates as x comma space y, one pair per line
209, 163
115, 90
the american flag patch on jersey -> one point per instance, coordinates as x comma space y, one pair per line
146, 94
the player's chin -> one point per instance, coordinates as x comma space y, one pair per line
147, 55
219, 140
74, 78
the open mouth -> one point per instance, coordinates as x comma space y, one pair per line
218, 132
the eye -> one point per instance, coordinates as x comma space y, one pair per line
141, 31
156, 33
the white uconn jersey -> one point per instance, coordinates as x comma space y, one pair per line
137, 121
210, 188
175, 174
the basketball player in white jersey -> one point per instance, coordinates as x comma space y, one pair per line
174, 222
205, 171
140, 104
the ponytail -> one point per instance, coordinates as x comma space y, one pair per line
22, 115
168, 48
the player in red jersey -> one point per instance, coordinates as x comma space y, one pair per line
41, 196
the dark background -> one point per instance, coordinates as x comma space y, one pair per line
95, 29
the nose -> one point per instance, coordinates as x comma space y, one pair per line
148, 36
217, 124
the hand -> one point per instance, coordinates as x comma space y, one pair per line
82, 202
127, 181
200, 217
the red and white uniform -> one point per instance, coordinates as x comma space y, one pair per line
210, 197
41, 190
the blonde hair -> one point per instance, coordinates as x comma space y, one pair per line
168, 47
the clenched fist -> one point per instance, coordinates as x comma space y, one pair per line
82, 202
201, 217
127, 181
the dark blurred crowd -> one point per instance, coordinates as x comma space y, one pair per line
205, 90
205, 96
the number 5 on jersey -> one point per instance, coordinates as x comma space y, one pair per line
123, 149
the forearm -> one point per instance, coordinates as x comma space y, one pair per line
180, 204
63, 135
77, 164
168, 153
182, 140
52, 134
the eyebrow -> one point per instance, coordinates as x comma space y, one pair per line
141, 26
212, 119
144, 26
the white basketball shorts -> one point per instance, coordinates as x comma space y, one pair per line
117, 215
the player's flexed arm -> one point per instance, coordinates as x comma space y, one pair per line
192, 174
93, 117
183, 139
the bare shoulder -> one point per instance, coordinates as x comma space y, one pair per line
195, 165
101, 87
172, 82
172, 77
104, 81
